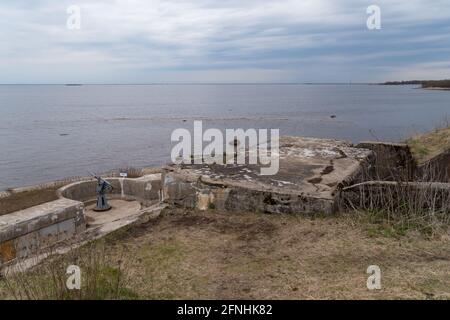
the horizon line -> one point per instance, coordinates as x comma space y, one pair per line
188, 83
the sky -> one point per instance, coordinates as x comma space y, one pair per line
222, 41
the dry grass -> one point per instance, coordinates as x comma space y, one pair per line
390, 194
26, 199
101, 278
426, 146
151, 170
214, 255
131, 172
256, 256
402, 206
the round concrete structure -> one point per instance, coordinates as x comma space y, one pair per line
146, 189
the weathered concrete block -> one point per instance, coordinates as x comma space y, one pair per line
35, 218
393, 161
48, 235
27, 245
179, 190
66, 229
436, 169
144, 188
311, 172
25, 232
7, 251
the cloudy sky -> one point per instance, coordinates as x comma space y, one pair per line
176, 41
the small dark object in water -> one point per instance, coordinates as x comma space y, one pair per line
333, 116
63, 134
184, 120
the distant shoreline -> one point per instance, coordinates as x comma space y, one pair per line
424, 84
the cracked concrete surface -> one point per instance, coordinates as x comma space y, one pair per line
311, 171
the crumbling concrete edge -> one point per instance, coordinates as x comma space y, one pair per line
60, 248
193, 192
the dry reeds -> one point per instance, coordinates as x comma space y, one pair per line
101, 278
405, 204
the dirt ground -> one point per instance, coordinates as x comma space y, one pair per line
213, 255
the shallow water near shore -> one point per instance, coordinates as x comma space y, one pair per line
50, 132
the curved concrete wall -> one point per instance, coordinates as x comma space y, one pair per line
25, 232
147, 188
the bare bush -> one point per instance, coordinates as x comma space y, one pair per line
422, 204
132, 172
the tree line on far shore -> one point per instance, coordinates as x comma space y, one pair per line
423, 83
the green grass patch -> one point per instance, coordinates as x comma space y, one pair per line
426, 146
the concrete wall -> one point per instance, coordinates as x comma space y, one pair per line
146, 188
436, 169
25, 232
392, 162
178, 190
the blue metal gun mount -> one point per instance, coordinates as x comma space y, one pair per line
102, 188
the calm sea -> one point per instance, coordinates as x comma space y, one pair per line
49, 132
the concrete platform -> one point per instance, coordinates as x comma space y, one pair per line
26, 233
120, 209
101, 227
310, 175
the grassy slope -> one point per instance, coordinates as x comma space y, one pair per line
428, 145
216, 255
